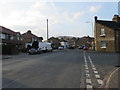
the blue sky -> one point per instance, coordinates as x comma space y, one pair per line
65, 18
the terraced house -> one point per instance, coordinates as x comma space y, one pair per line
11, 41
107, 34
29, 38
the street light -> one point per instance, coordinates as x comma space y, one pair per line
92, 32
92, 26
47, 30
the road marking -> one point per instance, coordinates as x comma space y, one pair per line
95, 72
87, 71
97, 76
87, 75
89, 86
86, 68
100, 82
88, 81
94, 68
86, 65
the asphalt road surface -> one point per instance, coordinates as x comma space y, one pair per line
58, 69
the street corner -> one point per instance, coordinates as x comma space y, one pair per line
112, 79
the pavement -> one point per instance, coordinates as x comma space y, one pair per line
112, 80
60, 69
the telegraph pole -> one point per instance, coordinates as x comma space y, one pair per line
47, 30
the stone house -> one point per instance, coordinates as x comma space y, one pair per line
107, 35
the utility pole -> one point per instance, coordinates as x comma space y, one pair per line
47, 30
92, 28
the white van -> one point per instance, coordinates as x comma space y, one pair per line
45, 46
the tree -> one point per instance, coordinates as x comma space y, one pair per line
35, 44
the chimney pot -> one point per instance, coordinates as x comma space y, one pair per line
96, 18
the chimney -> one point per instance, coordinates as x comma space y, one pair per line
116, 18
95, 18
29, 32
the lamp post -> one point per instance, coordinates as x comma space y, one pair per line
92, 44
47, 29
92, 27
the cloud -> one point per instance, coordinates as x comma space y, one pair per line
34, 17
94, 8
78, 15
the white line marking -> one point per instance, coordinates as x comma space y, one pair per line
88, 81
86, 68
95, 72
86, 65
87, 75
89, 86
94, 68
87, 71
100, 81
97, 76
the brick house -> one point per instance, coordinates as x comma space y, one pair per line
85, 41
107, 35
11, 41
55, 42
29, 38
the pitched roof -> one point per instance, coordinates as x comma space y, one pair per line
111, 24
29, 35
7, 31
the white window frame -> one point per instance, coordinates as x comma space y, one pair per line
11, 37
103, 44
3, 36
18, 38
102, 32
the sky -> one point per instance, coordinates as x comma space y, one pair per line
65, 18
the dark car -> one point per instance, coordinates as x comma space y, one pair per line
85, 48
35, 51
71, 47
80, 47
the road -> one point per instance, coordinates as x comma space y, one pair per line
59, 69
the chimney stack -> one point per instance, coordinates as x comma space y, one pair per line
116, 18
29, 31
96, 18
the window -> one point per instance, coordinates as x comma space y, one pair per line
103, 44
11, 37
2, 36
102, 32
18, 38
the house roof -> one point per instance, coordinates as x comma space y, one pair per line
7, 31
29, 35
111, 24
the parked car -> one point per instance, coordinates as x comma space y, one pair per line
80, 47
60, 48
33, 51
85, 48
